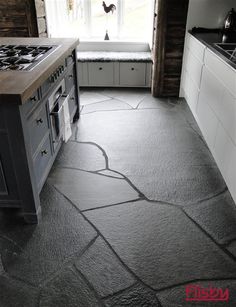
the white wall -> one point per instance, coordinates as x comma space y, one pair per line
208, 13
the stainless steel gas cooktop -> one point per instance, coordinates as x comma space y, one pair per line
23, 57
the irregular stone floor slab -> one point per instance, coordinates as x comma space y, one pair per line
103, 270
232, 248
158, 151
129, 96
155, 103
108, 105
217, 217
88, 190
160, 244
82, 156
100, 257
68, 289
90, 96
14, 293
135, 296
33, 253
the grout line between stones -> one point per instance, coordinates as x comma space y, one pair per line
120, 291
88, 284
68, 261
108, 244
112, 205
224, 190
222, 248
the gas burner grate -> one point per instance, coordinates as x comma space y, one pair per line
23, 57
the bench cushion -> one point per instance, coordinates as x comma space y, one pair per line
109, 56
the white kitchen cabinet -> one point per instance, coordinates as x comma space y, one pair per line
231, 173
191, 91
223, 149
207, 121
227, 114
115, 74
222, 71
209, 86
192, 71
211, 90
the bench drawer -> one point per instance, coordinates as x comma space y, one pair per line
101, 74
132, 74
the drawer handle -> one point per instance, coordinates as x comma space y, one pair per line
33, 98
132, 68
39, 121
100, 68
44, 152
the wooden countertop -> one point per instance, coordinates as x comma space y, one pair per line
18, 86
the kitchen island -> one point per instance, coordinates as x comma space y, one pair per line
38, 79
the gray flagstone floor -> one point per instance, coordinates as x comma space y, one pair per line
133, 211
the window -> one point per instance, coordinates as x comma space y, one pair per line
132, 19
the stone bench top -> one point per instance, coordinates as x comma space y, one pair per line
110, 56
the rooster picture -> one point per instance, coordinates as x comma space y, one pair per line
110, 8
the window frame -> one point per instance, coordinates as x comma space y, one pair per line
120, 17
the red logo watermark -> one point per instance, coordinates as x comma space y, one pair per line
209, 294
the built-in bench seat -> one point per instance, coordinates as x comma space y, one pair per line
109, 68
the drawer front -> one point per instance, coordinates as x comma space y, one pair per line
83, 74
191, 92
70, 79
221, 70
211, 91
42, 160
70, 59
132, 74
31, 103
101, 74
207, 121
193, 67
196, 48
38, 127
72, 103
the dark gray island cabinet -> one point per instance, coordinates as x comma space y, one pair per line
32, 120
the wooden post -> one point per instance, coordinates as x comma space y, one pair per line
169, 34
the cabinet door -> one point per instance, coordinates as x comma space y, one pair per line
207, 121
132, 74
83, 74
8, 187
41, 162
38, 127
101, 74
